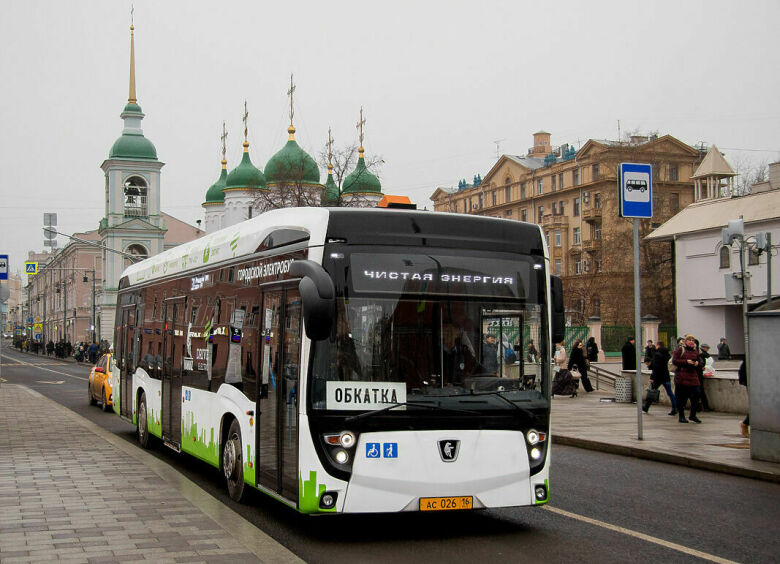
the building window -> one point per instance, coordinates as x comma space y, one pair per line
547, 238
508, 213
557, 267
578, 267
598, 265
539, 186
560, 181
493, 196
135, 197
560, 207
557, 237
597, 231
555, 208
596, 307
508, 194
674, 174
575, 177
597, 201
523, 215
595, 172
479, 200
752, 256
541, 214
576, 236
552, 178
522, 190
725, 257
576, 207
674, 203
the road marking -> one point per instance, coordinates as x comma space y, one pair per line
642, 536
46, 369
47, 382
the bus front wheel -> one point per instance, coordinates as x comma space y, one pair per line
233, 462
143, 429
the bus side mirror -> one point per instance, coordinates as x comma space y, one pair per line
318, 296
558, 320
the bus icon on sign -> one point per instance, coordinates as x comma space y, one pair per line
640, 185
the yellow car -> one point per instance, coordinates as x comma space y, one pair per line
99, 385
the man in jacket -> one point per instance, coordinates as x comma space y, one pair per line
686, 378
628, 354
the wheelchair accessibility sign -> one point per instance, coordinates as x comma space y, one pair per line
381, 450
636, 190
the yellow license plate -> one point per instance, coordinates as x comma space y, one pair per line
446, 503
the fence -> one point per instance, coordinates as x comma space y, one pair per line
667, 334
573, 333
613, 337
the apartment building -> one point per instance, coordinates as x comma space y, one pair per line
573, 195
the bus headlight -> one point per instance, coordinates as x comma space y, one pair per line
347, 439
532, 437
341, 456
535, 453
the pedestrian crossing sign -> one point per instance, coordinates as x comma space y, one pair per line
30, 268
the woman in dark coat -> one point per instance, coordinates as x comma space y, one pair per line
660, 376
577, 358
686, 380
592, 350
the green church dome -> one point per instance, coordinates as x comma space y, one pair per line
245, 175
133, 146
292, 165
361, 180
214, 194
330, 196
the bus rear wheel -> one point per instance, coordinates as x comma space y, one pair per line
143, 429
233, 462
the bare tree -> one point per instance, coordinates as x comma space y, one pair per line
344, 161
748, 173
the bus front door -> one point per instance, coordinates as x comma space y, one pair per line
124, 350
278, 393
173, 343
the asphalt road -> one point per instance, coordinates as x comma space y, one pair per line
604, 508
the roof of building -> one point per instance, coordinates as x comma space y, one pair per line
292, 165
713, 165
529, 162
330, 197
714, 214
133, 146
245, 175
214, 194
361, 180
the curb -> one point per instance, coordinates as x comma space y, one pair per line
665, 457
252, 538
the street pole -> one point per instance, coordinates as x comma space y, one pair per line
94, 329
768, 266
637, 331
742, 246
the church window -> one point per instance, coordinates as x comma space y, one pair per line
136, 250
135, 192
674, 173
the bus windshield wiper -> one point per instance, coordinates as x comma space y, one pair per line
501, 395
367, 414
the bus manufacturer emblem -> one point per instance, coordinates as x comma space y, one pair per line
448, 450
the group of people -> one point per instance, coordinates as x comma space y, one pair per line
579, 358
690, 362
64, 348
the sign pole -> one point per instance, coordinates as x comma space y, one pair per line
637, 331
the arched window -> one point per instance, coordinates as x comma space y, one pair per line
596, 307
135, 197
136, 250
725, 257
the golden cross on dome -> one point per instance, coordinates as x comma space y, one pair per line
290, 93
330, 147
224, 139
246, 116
360, 125
132, 9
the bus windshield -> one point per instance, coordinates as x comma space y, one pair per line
416, 342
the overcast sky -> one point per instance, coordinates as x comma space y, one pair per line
440, 84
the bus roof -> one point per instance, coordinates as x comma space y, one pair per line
237, 240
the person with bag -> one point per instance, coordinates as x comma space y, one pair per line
577, 358
592, 350
660, 377
686, 378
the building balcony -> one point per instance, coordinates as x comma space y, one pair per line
591, 245
591, 214
555, 221
575, 249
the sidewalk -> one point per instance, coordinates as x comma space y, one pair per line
70, 490
716, 444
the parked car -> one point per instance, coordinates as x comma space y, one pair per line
99, 384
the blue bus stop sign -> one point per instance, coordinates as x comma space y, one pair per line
3, 267
636, 190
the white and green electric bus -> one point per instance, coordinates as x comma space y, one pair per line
349, 360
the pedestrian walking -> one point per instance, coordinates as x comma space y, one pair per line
592, 350
649, 350
686, 379
660, 376
724, 353
533, 354
744, 425
560, 356
577, 358
704, 354
628, 354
